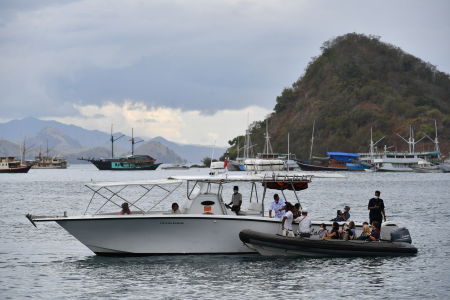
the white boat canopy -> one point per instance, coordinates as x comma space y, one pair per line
141, 182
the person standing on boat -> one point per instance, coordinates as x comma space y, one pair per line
236, 200
376, 207
304, 224
286, 223
278, 206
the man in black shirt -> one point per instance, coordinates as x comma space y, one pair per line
376, 207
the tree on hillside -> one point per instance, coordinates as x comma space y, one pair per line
207, 161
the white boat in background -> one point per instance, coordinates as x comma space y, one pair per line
269, 161
176, 167
204, 226
426, 167
388, 161
263, 165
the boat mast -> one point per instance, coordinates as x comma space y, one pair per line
21, 154
132, 142
267, 146
411, 142
289, 155
113, 140
372, 145
312, 141
435, 141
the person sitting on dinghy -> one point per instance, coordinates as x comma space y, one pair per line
125, 209
175, 209
278, 206
375, 235
323, 231
334, 232
286, 223
304, 224
366, 232
236, 200
342, 216
352, 232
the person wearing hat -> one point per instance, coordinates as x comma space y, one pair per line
278, 206
236, 200
304, 224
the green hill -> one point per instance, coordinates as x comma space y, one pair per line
359, 82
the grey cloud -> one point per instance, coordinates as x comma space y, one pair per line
147, 121
187, 55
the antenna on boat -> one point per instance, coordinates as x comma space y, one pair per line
312, 141
113, 140
132, 142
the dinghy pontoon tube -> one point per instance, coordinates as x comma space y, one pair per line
272, 244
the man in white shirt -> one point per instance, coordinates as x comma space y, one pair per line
286, 223
236, 200
304, 224
278, 206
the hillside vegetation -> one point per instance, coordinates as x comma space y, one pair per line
359, 82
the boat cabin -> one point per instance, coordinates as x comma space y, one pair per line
9, 162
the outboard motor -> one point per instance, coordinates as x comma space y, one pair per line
401, 235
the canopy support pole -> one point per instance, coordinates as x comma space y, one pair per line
165, 196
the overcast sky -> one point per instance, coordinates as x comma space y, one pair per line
189, 71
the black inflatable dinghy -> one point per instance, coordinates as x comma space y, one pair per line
272, 244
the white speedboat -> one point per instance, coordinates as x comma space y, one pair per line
204, 226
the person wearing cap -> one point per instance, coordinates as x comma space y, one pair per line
236, 200
304, 224
343, 216
376, 207
278, 206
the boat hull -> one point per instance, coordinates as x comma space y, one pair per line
169, 234
115, 166
309, 167
275, 245
16, 170
128, 236
235, 166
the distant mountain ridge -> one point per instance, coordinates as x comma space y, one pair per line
191, 153
31, 126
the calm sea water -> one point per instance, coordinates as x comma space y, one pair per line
47, 262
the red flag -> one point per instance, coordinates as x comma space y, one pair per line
225, 164
130, 140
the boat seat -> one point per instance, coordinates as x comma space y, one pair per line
254, 209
